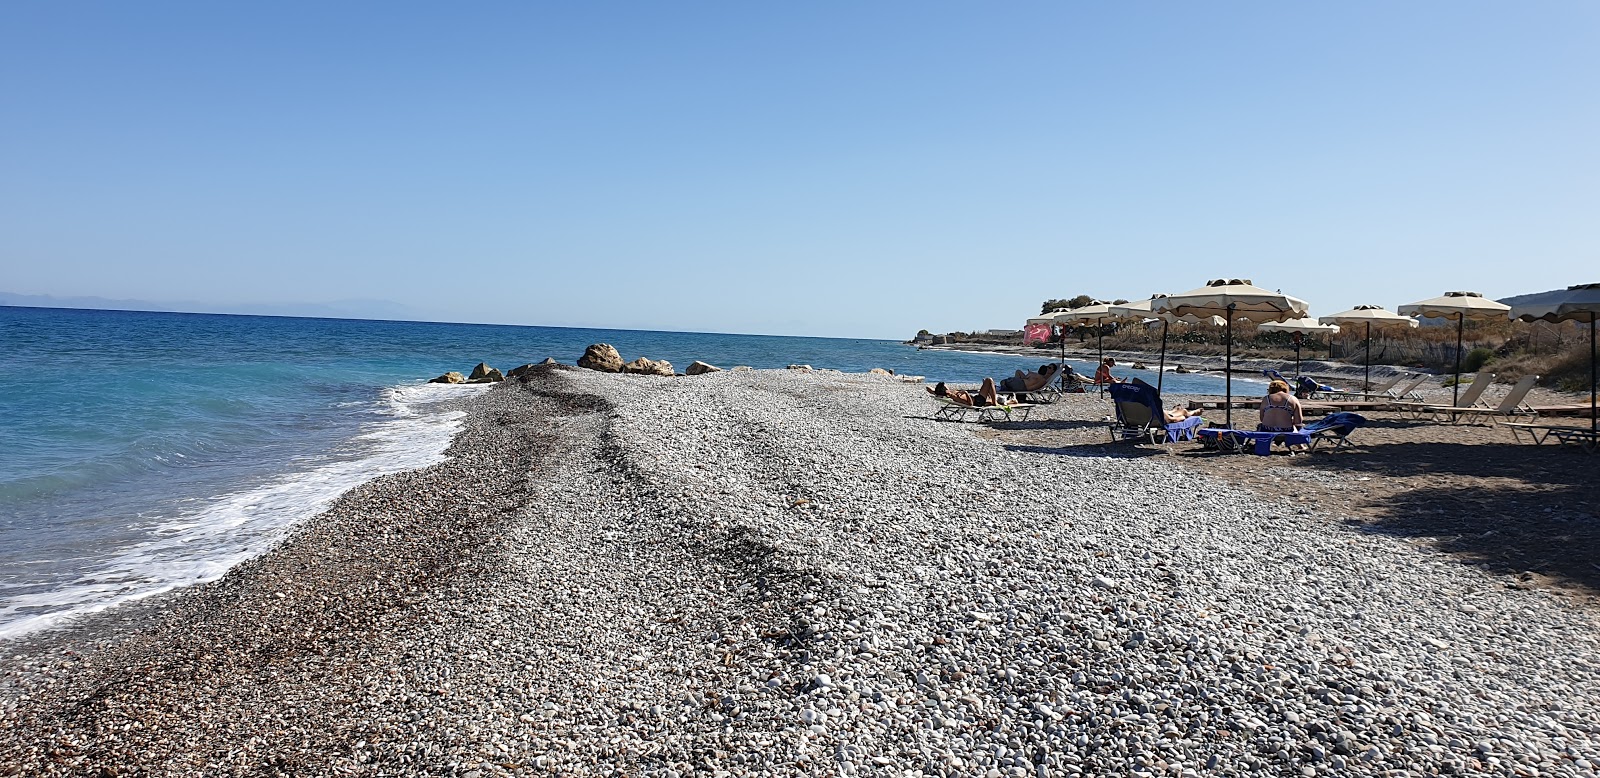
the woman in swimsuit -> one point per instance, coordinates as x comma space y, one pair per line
1280, 410
986, 395
1103, 375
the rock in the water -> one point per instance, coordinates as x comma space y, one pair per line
643, 366
451, 377
879, 371
483, 374
697, 368
602, 357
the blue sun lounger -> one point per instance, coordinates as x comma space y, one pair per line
1139, 415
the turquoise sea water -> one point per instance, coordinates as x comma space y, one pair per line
143, 451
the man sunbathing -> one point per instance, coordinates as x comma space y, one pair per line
1180, 414
1025, 381
986, 395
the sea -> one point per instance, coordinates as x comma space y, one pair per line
142, 451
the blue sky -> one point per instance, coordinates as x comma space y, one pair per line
849, 169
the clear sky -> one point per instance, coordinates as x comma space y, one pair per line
817, 168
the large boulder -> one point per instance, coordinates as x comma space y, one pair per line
602, 357
451, 377
697, 368
483, 374
644, 366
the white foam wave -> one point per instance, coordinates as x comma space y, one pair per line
202, 544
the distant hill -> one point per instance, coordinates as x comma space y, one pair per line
336, 309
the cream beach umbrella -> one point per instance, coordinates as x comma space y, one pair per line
1234, 299
1575, 303
1096, 312
1459, 306
1370, 316
1300, 327
1142, 310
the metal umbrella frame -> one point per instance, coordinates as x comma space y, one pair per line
1369, 315
1575, 303
1146, 309
1457, 305
1304, 326
1232, 299
1097, 312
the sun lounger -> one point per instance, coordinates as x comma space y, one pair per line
949, 410
1384, 391
1510, 405
1584, 411
1469, 399
1140, 415
1410, 390
1259, 443
1564, 434
1334, 430
1307, 388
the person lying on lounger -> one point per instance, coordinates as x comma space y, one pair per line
1025, 381
986, 395
1280, 410
1180, 414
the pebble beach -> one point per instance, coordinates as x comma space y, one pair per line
796, 573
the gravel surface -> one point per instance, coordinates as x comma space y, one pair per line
784, 573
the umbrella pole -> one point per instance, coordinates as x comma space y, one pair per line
1061, 362
1594, 386
1297, 356
1227, 371
1366, 378
1161, 371
1100, 343
1455, 394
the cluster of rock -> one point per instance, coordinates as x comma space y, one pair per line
604, 358
482, 374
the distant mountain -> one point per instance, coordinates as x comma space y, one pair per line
336, 309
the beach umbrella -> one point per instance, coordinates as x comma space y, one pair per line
1233, 299
1575, 303
1053, 319
1370, 316
1459, 306
1143, 309
1300, 327
1096, 312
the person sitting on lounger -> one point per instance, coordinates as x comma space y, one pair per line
1103, 374
1280, 410
1025, 381
986, 395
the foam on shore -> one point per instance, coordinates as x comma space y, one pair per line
204, 539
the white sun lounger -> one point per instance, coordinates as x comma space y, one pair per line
1510, 406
